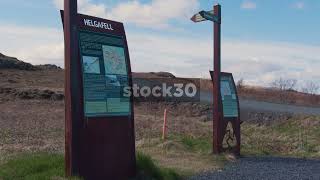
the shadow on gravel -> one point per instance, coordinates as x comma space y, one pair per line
265, 168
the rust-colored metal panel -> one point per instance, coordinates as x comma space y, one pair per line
96, 147
107, 151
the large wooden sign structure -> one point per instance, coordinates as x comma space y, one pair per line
99, 121
223, 123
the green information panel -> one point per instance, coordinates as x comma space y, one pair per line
229, 97
105, 73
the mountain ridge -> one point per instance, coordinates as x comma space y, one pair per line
8, 62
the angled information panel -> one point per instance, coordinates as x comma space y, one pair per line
228, 95
105, 74
229, 136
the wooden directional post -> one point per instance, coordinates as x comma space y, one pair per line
215, 17
217, 104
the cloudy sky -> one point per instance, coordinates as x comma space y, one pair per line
262, 39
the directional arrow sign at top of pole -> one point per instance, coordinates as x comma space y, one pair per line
199, 18
204, 16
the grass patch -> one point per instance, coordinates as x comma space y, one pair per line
187, 155
147, 169
33, 166
189, 143
45, 166
201, 145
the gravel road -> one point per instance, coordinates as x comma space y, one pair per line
281, 108
266, 168
262, 106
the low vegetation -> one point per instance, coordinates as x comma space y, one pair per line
188, 146
33, 166
296, 137
42, 166
182, 155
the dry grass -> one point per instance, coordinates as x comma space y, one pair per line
31, 126
270, 94
174, 154
40, 79
277, 96
38, 126
206, 84
297, 137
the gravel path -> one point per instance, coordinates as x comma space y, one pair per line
266, 168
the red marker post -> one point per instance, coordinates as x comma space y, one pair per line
164, 127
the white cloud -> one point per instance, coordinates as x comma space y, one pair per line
259, 63
248, 5
38, 45
155, 14
86, 7
299, 5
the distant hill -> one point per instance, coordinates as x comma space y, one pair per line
7, 62
153, 75
48, 67
19, 75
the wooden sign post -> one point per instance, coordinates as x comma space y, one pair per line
217, 104
99, 120
220, 121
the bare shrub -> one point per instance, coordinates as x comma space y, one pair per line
240, 84
285, 86
311, 88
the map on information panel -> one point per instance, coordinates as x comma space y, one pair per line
114, 60
91, 64
104, 75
